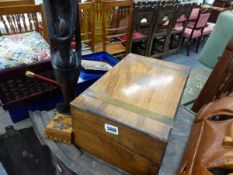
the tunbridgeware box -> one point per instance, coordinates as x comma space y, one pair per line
125, 117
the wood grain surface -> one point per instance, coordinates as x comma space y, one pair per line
140, 97
137, 92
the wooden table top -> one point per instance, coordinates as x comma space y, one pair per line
139, 92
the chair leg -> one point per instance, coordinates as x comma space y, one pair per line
188, 46
180, 42
130, 45
166, 46
171, 42
198, 43
149, 46
194, 40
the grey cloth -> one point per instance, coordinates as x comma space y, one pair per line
177, 141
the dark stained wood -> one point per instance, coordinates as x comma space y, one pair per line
140, 97
163, 22
181, 19
142, 12
17, 76
63, 26
199, 25
220, 81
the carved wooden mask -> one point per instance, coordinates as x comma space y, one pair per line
210, 147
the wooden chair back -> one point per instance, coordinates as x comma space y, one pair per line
98, 10
220, 81
163, 22
140, 3
181, 20
87, 24
153, 3
143, 3
21, 19
4, 3
142, 18
194, 13
182, 15
200, 22
167, 2
202, 19
116, 22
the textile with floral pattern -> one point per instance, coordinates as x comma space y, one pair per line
20, 49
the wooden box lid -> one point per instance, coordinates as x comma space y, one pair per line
139, 92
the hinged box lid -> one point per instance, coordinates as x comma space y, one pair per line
139, 92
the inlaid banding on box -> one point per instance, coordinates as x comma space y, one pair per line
129, 107
169, 66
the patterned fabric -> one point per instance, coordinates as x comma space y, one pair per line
178, 27
207, 30
182, 18
194, 13
136, 35
197, 33
19, 49
203, 19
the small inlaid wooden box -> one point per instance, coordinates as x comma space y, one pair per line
125, 118
59, 128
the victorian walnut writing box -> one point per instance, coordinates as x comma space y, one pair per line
126, 117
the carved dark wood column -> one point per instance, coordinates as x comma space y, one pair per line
63, 25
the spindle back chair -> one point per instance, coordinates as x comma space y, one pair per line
116, 22
98, 10
21, 19
87, 20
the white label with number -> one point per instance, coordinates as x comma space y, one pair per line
111, 129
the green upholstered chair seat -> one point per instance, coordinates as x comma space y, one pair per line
214, 47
